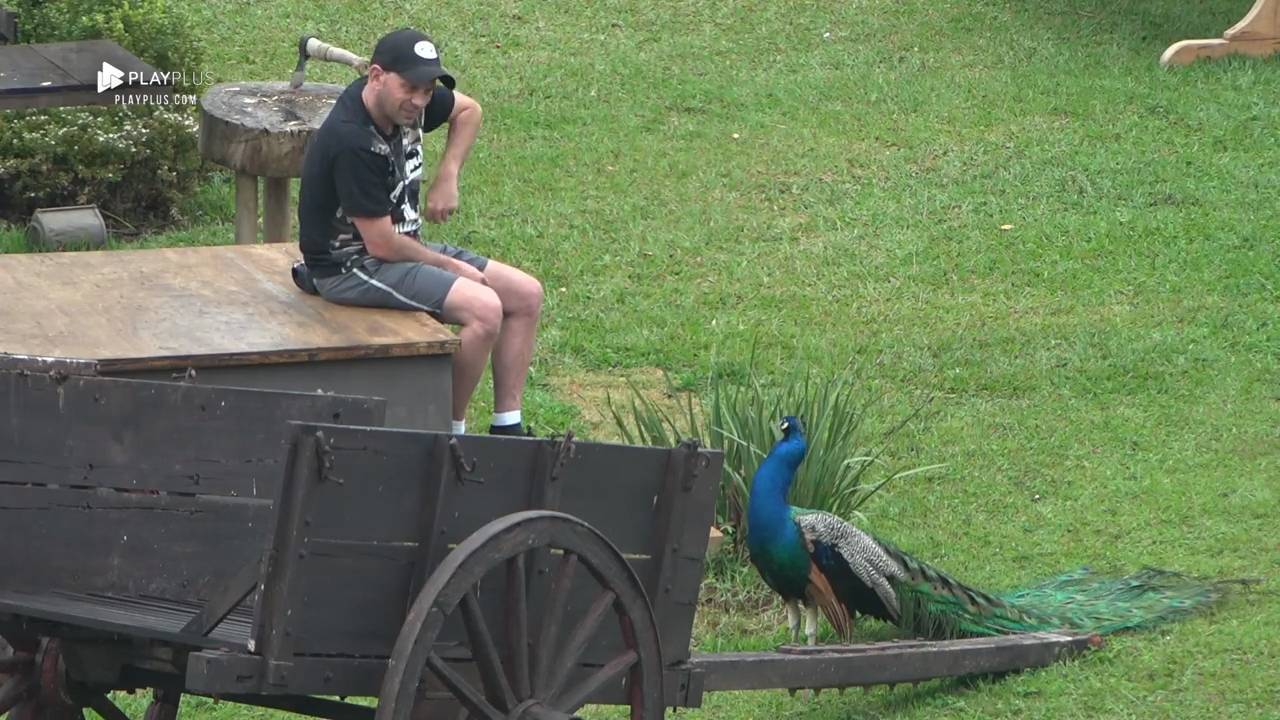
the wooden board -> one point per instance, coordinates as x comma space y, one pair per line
92, 432
150, 618
66, 73
192, 307
171, 546
84, 462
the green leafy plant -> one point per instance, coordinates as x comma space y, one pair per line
845, 466
156, 31
137, 162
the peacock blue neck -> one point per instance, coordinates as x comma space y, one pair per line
768, 514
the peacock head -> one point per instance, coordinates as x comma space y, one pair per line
789, 451
791, 427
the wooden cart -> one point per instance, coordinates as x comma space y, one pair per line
283, 550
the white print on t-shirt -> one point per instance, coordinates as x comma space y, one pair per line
411, 221
413, 161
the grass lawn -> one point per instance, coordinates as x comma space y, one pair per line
1008, 204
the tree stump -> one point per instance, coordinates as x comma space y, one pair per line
260, 130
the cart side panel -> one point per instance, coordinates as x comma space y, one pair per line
170, 437
124, 543
368, 513
130, 487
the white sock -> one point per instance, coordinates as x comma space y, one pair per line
510, 417
459, 427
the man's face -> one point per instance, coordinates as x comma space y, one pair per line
399, 99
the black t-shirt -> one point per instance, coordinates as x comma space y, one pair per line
352, 170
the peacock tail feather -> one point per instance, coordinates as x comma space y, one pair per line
934, 605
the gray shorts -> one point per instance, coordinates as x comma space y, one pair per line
399, 285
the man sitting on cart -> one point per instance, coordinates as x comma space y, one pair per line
360, 226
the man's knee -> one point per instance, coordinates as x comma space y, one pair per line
475, 306
528, 298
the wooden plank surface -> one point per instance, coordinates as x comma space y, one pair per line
137, 617
139, 435
25, 71
84, 540
70, 445
66, 73
192, 307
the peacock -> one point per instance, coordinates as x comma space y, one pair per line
819, 562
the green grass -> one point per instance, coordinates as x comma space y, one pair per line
828, 182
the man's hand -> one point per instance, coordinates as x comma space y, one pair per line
464, 125
442, 199
461, 269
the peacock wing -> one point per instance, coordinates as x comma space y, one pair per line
855, 561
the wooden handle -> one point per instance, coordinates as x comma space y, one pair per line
324, 51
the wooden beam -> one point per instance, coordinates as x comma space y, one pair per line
246, 209
275, 210
836, 666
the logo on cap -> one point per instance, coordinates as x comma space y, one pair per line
425, 49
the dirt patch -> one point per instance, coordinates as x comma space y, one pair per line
591, 390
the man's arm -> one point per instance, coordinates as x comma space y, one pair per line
384, 243
464, 125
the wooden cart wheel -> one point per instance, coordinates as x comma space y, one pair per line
164, 705
532, 671
35, 687
17, 666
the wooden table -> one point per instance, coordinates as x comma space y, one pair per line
66, 73
229, 315
1257, 34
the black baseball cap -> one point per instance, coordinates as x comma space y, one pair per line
413, 55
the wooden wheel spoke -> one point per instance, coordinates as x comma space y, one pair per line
485, 653
557, 598
578, 641
577, 695
470, 698
102, 705
518, 626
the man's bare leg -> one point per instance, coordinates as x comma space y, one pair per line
521, 297
477, 309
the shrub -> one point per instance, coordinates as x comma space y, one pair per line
138, 161
154, 30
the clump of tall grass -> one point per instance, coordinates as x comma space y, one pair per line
845, 466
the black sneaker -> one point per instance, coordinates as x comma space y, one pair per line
302, 278
512, 430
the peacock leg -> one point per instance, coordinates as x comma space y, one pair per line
811, 624
793, 619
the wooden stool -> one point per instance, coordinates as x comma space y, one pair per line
1257, 34
260, 129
